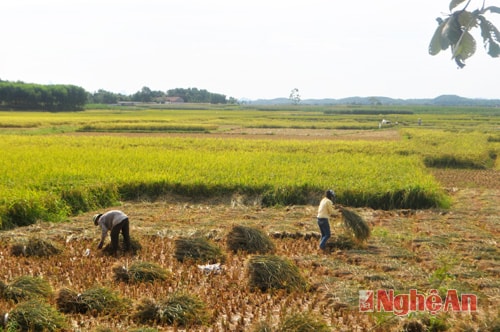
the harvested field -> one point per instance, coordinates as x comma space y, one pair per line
408, 249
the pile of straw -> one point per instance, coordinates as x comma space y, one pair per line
341, 241
198, 249
135, 247
26, 287
96, 300
356, 224
35, 315
35, 247
178, 309
272, 272
249, 239
140, 272
303, 322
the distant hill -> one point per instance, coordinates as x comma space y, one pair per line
443, 100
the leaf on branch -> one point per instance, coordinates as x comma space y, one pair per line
455, 3
491, 36
492, 9
438, 43
464, 49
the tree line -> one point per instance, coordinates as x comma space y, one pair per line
28, 96
61, 97
146, 95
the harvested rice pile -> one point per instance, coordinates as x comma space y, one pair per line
135, 247
272, 272
96, 300
24, 288
251, 240
303, 322
356, 224
35, 315
140, 272
178, 309
35, 247
198, 249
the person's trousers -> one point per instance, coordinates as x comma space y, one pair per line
324, 227
115, 232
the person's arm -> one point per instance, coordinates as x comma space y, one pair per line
331, 209
103, 236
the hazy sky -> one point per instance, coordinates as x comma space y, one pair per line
243, 49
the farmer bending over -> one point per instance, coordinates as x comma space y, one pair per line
325, 210
114, 221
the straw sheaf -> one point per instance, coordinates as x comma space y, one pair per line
26, 287
178, 309
272, 272
35, 247
198, 249
140, 272
35, 315
251, 240
356, 224
96, 300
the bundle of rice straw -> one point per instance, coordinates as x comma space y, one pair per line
303, 322
178, 309
26, 287
249, 239
95, 300
198, 249
355, 223
272, 272
35, 315
135, 246
140, 272
35, 247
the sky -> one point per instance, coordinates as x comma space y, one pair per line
240, 48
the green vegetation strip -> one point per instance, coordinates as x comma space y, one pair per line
49, 177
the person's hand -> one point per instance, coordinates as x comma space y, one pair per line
99, 246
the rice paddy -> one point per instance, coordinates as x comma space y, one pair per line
429, 226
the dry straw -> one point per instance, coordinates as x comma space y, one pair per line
356, 224
35, 315
251, 240
140, 272
96, 300
24, 288
135, 247
35, 247
178, 309
198, 249
273, 272
303, 322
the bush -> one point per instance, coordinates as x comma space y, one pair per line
272, 272
249, 239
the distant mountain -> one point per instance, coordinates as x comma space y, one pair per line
443, 100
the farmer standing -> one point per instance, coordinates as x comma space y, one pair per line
114, 221
325, 210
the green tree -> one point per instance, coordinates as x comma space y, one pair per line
454, 32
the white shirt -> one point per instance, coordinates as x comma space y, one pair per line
325, 209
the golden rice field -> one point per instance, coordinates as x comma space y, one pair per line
66, 167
